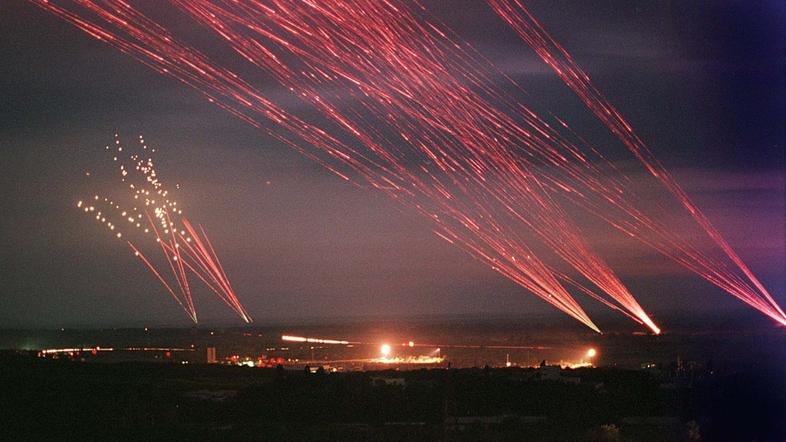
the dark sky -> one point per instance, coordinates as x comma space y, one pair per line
703, 84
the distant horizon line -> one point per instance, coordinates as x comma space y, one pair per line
610, 319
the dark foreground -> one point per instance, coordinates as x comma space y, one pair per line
63, 400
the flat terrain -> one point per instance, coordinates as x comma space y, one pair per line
46, 399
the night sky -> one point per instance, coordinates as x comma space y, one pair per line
702, 83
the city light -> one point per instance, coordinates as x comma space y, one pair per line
313, 340
385, 349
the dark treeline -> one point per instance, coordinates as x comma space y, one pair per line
62, 400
